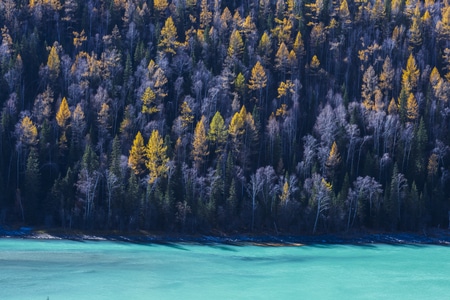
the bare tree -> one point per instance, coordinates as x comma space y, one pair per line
112, 183
319, 192
254, 187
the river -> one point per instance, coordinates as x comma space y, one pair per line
62, 269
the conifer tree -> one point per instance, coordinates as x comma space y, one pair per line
62, 117
54, 62
282, 58
28, 133
156, 157
236, 45
148, 102
299, 46
199, 144
217, 133
410, 76
31, 187
258, 79
168, 40
386, 77
265, 48
136, 159
160, 6
412, 108
187, 116
63, 114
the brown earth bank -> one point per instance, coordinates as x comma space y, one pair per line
433, 236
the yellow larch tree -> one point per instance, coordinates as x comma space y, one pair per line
281, 58
54, 62
156, 157
344, 14
258, 79
236, 128
63, 114
199, 144
299, 46
217, 133
265, 48
386, 77
168, 39
236, 46
148, 102
187, 117
136, 158
412, 108
28, 132
410, 76
160, 6
205, 15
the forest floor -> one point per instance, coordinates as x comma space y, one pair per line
433, 236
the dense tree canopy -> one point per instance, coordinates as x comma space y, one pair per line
285, 116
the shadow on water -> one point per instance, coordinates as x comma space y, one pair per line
223, 247
177, 246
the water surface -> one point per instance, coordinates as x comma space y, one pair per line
58, 269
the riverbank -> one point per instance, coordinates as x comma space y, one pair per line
428, 237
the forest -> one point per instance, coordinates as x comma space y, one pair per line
189, 116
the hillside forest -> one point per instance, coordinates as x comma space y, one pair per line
225, 115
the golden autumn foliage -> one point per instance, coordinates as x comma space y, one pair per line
53, 61
136, 158
199, 144
412, 108
168, 40
63, 114
156, 157
410, 75
258, 79
28, 131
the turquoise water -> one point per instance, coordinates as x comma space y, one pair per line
54, 269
